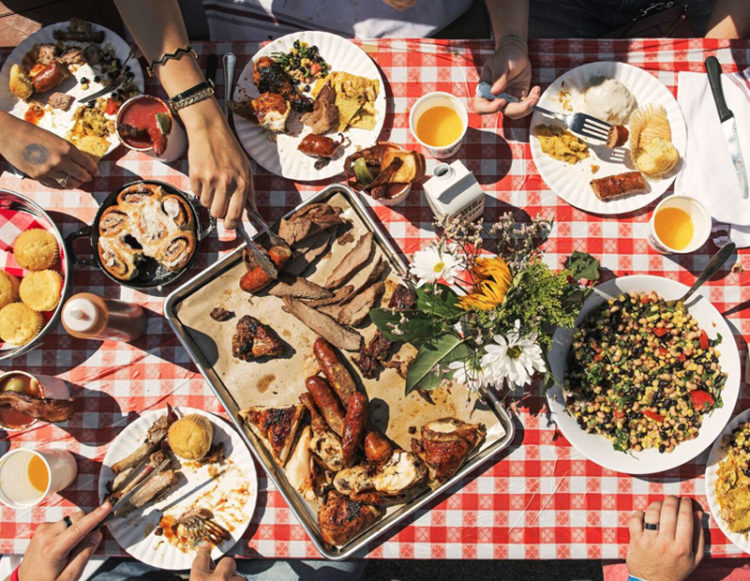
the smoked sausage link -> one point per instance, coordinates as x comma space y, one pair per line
354, 426
327, 403
337, 374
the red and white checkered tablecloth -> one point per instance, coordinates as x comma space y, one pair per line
539, 500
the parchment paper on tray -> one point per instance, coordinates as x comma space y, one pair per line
280, 381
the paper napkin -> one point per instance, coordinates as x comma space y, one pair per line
708, 173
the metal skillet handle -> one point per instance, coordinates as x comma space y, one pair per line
201, 232
84, 232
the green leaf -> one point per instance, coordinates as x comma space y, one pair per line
412, 326
438, 300
583, 265
164, 123
425, 371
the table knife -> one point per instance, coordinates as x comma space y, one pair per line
120, 503
728, 123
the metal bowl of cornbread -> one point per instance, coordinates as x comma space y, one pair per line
35, 274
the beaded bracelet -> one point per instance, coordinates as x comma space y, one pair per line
192, 95
176, 55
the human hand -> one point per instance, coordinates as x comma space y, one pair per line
44, 156
58, 551
674, 550
400, 4
220, 172
508, 70
201, 570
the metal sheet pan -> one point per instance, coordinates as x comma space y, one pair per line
402, 418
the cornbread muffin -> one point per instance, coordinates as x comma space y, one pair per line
657, 158
19, 324
190, 437
41, 290
8, 288
36, 249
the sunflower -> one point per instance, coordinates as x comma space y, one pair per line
493, 280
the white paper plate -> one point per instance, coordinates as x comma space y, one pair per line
134, 533
596, 447
717, 454
56, 121
281, 156
571, 182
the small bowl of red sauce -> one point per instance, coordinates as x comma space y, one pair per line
145, 123
20, 382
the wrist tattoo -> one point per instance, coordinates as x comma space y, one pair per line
35, 154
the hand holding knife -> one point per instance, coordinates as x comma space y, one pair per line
728, 123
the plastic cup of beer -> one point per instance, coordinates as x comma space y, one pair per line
679, 225
438, 121
28, 476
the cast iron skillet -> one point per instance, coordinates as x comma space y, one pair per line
149, 275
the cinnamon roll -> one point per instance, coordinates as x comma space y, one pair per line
113, 221
117, 258
149, 226
176, 208
177, 250
137, 194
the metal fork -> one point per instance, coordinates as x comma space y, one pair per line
113, 84
275, 239
580, 123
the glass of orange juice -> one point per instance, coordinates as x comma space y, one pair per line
679, 225
28, 476
438, 121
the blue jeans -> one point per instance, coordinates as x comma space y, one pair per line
253, 569
595, 18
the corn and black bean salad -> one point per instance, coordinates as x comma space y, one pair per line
642, 373
303, 63
733, 480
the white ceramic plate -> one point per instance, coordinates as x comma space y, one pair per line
717, 454
571, 182
56, 121
134, 533
596, 447
278, 153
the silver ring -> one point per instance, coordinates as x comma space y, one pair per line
651, 526
67, 521
63, 181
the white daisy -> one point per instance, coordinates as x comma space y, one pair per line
512, 358
465, 372
432, 263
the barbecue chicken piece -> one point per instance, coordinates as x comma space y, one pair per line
324, 444
253, 340
269, 77
270, 111
400, 474
341, 519
444, 446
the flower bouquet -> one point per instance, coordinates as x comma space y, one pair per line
486, 307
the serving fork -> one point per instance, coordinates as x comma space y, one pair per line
113, 84
580, 123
